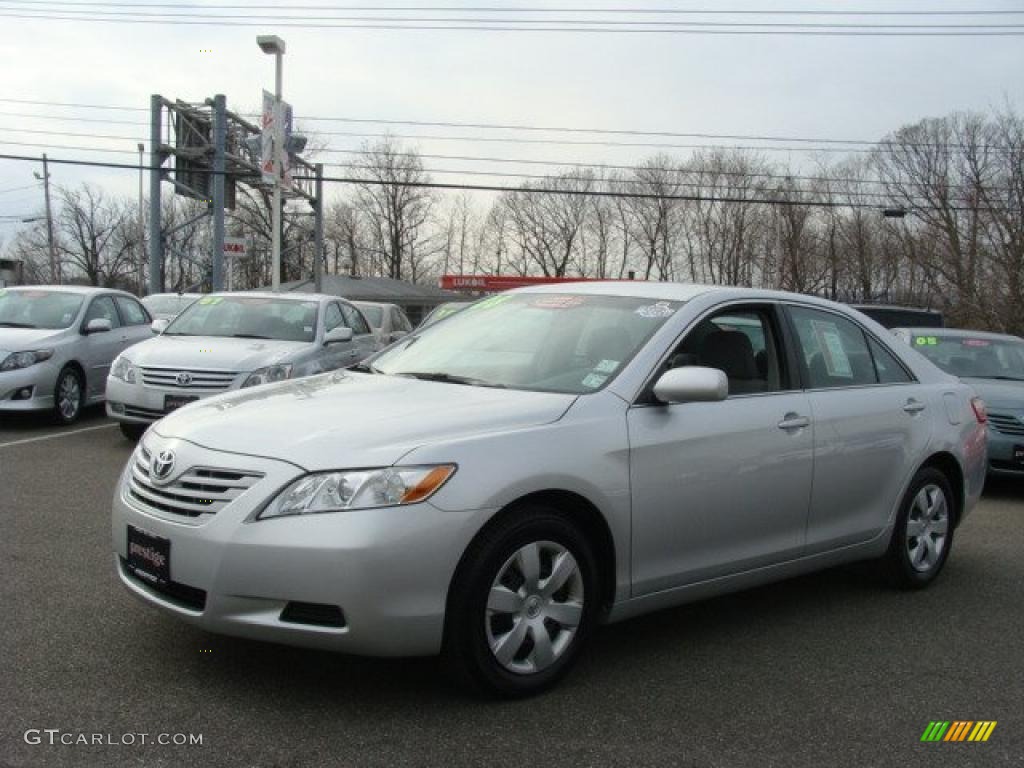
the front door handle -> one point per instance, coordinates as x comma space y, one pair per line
794, 421
914, 406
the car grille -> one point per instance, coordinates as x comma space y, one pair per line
198, 491
1007, 424
138, 412
198, 381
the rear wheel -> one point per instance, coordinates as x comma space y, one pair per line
522, 604
923, 534
68, 396
133, 432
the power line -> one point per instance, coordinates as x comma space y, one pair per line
609, 25
499, 188
19, 189
533, 128
559, 164
527, 9
794, 29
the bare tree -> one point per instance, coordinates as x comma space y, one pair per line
396, 209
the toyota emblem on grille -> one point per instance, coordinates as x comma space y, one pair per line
163, 463
183, 379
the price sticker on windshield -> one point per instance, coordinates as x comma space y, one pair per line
207, 300
926, 341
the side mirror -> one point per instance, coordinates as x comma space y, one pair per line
338, 335
160, 325
692, 384
98, 325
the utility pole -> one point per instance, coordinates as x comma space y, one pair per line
142, 226
54, 267
219, 166
156, 256
318, 231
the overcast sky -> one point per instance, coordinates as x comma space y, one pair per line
825, 87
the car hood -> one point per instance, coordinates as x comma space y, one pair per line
26, 339
999, 394
217, 352
345, 419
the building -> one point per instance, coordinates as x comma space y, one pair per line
10, 272
416, 300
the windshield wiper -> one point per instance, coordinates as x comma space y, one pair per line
17, 325
248, 336
363, 368
1000, 378
448, 378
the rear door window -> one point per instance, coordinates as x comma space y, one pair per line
834, 350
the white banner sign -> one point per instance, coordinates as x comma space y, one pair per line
267, 138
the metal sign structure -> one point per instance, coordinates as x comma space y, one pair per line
204, 151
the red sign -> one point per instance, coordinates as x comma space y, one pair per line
493, 283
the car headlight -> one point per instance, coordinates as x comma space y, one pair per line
17, 360
267, 375
124, 370
358, 489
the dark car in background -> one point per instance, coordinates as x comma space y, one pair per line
992, 363
892, 316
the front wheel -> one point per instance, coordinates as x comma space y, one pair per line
523, 602
923, 534
68, 396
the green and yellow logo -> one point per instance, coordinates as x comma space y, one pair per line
958, 730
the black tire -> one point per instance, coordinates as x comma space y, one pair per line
133, 432
467, 647
69, 413
898, 564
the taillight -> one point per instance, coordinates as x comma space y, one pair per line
980, 409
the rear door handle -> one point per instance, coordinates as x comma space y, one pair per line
794, 421
914, 406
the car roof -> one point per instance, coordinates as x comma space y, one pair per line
85, 290
373, 304
959, 333
676, 291
173, 294
288, 295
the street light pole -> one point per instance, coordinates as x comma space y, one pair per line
272, 44
142, 226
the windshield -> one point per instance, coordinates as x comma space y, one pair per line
372, 314
38, 309
973, 357
254, 317
442, 311
537, 341
167, 305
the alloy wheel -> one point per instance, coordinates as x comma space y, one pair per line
927, 528
69, 396
534, 607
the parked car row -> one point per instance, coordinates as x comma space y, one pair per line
64, 347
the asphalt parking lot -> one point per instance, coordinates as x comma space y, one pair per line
825, 670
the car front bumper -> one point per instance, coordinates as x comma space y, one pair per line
141, 404
40, 379
387, 569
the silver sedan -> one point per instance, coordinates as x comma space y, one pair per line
231, 341
57, 344
548, 459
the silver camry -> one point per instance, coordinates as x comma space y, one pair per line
546, 460
57, 344
229, 341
